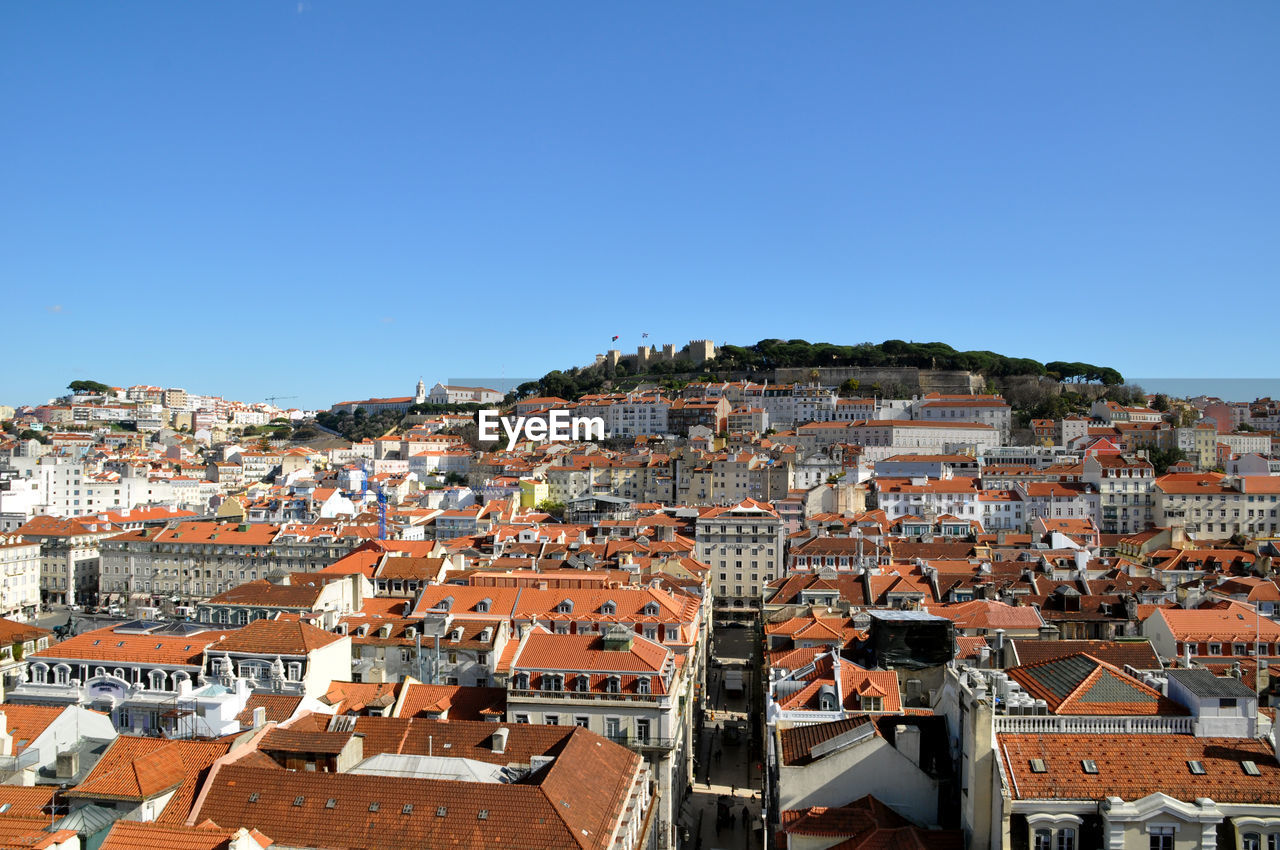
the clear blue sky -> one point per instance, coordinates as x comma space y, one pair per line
329, 199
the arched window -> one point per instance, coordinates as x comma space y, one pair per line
642, 685
156, 679
295, 671
118, 673
583, 683
522, 681
99, 672
39, 674
613, 685
61, 674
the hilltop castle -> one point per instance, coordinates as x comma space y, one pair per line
698, 351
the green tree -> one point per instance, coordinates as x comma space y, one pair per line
549, 506
87, 387
849, 387
1160, 402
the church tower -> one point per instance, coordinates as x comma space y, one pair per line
420, 397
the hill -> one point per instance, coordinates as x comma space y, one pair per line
778, 360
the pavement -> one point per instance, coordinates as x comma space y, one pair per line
724, 769
84, 622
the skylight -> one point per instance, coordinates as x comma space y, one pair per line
1196, 767
1038, 766
1089, 765
1251, 767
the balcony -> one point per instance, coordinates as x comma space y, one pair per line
1090, 725
644, 746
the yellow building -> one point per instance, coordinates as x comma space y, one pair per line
533, 492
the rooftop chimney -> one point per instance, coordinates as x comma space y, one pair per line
68, 764
907, 741
260, 717
500, 740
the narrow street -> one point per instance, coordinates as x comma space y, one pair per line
726, 775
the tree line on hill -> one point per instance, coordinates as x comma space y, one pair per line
769, 354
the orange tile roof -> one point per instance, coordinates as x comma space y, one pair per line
454, 702
130, 835
571, 805
1162, 767
277, 637
112, 646
26, 722
137, 769
280, 707
26, 801
11, 632
543, 650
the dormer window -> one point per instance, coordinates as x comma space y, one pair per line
482, 607
613, 685
650, 609
643, 686
552, 683
582, 683
565, 607
457, 635
609, 608
522, 681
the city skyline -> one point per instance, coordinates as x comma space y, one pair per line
321, 186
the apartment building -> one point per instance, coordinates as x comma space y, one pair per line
1126, 487
618, 684
1212, 506
20, 574
743, 545
990, 410
197, 560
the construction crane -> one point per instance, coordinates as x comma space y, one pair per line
272, 399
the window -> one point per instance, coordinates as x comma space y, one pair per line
1043, 840
583, 721
612, 685
522, 718
1066, 839
612, 728
551, 719
1161, 838
1251, 841
642, 730
642, 685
